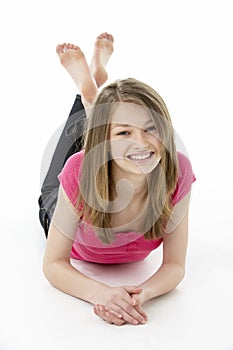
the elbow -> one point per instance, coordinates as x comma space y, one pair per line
49, 271
52, 271
46, 271
180, 272
177, 270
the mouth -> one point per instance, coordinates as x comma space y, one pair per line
140, 157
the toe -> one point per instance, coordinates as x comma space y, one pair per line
60, 49
110, 38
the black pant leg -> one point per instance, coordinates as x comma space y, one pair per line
69, 142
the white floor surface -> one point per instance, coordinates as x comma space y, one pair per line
34, 315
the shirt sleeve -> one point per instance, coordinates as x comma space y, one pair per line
69, 176
65, 217
185, 179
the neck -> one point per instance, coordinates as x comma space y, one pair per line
130, 185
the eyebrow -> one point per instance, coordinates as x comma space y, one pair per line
130, 125
120, 125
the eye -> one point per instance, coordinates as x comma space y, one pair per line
151, 128
123, 133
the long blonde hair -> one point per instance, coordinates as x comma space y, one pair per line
96, 181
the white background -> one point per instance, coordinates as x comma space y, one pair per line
184, 50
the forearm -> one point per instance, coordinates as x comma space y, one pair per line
163, 281
66, 278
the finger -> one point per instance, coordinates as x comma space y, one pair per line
127, 294
133, 289
116, 314
102, 311
124, 307
132, 296
108, 316
142, 312
138, 307
95, 311
129, 313
98, 308
135, 299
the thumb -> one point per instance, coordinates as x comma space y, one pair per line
133, 289
135, 299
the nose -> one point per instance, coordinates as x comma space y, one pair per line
140, 139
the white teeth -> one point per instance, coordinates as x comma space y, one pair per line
140, 156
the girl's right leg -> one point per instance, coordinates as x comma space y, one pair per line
74, 61
69, 142
87, 79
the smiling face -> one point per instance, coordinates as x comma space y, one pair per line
134, 139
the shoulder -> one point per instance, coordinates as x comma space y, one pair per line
70, 174
185, 178
74, 161
185, 166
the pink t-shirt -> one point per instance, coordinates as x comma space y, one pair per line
127, 247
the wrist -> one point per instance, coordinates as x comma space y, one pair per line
97, 292
145, 294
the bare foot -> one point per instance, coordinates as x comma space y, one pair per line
74, 61
102, 52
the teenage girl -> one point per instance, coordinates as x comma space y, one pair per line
119, 194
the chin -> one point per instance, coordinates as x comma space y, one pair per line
145, 168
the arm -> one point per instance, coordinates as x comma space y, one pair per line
63, 276
56, 266
172, 269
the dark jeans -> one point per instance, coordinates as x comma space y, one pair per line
69, 142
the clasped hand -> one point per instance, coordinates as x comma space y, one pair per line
121, 305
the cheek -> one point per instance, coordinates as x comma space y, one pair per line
155, 141
159, 146
118, 148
